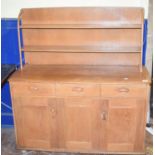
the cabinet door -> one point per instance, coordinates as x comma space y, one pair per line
36, 122
81, 123
125, 125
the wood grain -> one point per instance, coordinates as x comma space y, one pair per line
83, 74
122, 121
83, 88
83, 37
80, 49
77, 15
124, 91
33, 89
118, 59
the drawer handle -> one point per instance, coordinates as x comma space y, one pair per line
104, 115
33, 88
77, 89
123, 90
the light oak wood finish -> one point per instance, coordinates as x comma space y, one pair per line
123, 124
75, 29
19, 39
106, 38
34, 89
75, 15
77, 90
123, 91
80, 49
44, 58
79, 40
83, 87
82, 74
81, 26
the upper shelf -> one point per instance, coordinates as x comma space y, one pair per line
80, 49
80, 26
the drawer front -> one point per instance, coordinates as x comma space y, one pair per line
123, 91
77, 90
33, 89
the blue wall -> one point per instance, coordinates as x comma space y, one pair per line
145, 41
6, 107
10, 55
9, 42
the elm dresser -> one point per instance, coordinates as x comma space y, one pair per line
82, 87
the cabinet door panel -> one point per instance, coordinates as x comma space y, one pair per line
80, 121
36, 122
122, 124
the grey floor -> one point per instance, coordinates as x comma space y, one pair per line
8, 145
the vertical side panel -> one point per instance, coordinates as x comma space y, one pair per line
140, 128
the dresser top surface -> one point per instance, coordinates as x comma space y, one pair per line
80, 73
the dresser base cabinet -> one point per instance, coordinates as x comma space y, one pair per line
74, 123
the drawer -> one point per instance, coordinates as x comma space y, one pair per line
33, 89
123, 91
77, 90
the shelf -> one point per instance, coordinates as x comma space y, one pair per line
88, 49
81, 26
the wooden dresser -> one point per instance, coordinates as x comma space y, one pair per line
83, 87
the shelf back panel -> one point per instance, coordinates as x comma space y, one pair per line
44, 58
83, 37
108, 16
